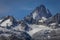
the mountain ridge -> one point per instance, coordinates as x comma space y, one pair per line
40, 21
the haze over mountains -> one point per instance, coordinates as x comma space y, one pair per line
39, 25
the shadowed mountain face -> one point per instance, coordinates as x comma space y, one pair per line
39, 25
41, 11
55, 18
15, 36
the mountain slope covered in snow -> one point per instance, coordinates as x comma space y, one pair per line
39, 25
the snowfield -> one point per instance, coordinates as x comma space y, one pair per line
6, 23
37, 28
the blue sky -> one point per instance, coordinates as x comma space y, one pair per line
21, 8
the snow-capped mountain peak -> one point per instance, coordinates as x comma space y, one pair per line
7, 21
41, 11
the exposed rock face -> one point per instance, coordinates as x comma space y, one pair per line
54, 21
29, 19
46, 35
15, 36
55, 18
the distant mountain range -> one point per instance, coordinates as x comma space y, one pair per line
39, 25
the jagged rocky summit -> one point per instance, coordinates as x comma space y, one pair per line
40, 13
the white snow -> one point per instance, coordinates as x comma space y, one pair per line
40, 20
49, 36
1, 20
19, 28
37, 28
58, 24
43, 19
4, 29
53, 24
6, 35
34, 15
47, 11
6, 22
